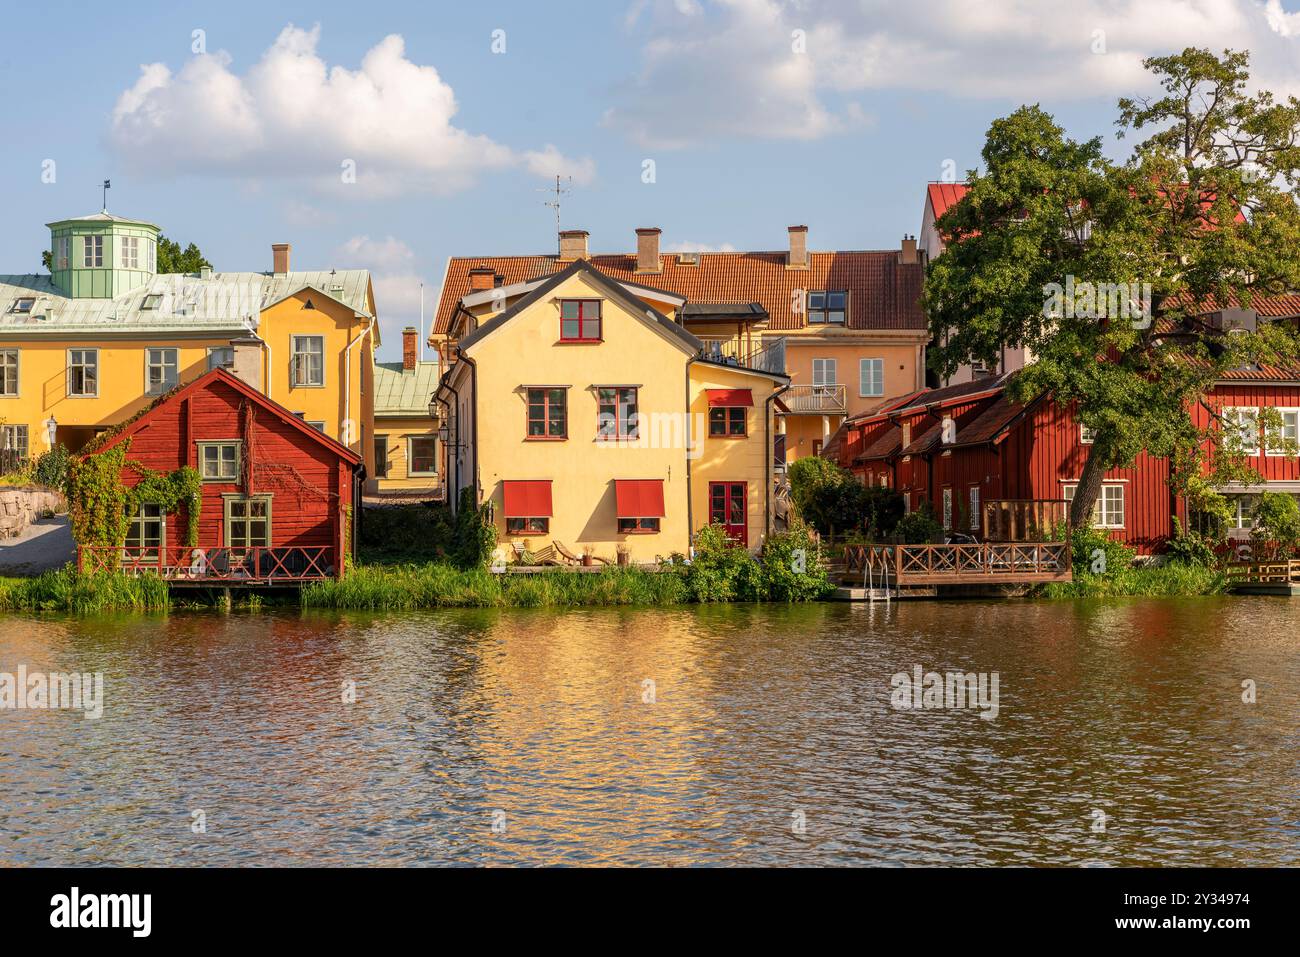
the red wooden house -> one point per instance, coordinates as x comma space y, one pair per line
971, 453
277, 493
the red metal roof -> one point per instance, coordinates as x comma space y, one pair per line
527, 499
730, 397
944, 195
883, 293
639, 498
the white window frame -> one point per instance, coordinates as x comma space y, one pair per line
410, 456
13, 431
973, 496
947, 508
1086, 435
213, 350
156, 357
63, 252
871, 378
5, 368
1242, 507
819, 377
1104, 504
93, 364
130, 254
92, 252
296, 356
1235, 413
1293, 428
218, 444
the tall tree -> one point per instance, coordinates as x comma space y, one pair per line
1107, 272
171, 258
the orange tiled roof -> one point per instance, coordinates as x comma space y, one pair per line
883, 293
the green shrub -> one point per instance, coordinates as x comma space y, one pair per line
51, 468
721, 570
1277, 523
1096, 553
1191, 548
919, 526
792, 568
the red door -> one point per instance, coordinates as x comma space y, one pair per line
727, 507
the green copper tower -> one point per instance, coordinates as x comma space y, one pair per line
102, 256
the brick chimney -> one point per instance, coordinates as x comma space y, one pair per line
573, 244
409, 351
482, 277
797, 257
247, 364
647, 249
280, 258
907, 253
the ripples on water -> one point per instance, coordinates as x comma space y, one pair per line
762, 713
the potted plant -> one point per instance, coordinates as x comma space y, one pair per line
587, 552
624, 556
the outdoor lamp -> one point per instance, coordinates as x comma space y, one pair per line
51, 427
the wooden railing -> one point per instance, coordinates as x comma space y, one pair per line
1023, 519
987, 563
1264, 573
815, 398
227, 566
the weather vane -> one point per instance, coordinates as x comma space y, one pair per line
107, 186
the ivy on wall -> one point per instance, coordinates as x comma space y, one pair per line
101, 506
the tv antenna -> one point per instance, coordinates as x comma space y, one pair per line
562, 187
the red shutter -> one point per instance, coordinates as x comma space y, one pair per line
528, 499
640, 498
730, 397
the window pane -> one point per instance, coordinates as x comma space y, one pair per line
569, 329
569, 309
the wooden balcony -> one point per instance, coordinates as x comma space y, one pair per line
982, 564
816, 399
761, 353
224, 567
1023, 519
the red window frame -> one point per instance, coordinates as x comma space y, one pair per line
631, 429
723, 426
723, 497
638, 526
528, 526
546, 406
583, 319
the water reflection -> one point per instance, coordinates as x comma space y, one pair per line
762, 718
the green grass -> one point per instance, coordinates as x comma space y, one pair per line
1157, 581
68, 590
399, 587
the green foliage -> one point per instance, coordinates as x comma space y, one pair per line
1191, 548
1096, 553
406, 533
1277, 522
1172, 580
68, 590
101, 506
722, 571
181, 488
832, 500
51, 468
1049, 213
919, 526
792, 569
474, 535
807, 476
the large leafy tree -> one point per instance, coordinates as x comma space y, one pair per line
171, 258
1108, 272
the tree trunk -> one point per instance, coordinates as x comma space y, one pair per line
1085, 496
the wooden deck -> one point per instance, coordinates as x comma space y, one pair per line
988, 563
1265, 578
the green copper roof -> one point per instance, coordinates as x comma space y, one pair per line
103, 216
399, 392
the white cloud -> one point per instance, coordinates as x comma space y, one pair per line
293, 115
396, 278
735, 71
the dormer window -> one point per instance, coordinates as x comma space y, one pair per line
93, 251
826, 307
152, 301
24, 305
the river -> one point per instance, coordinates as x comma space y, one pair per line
760, 735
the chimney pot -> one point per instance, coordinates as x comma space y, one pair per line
409, 352
647, 249
797, 257
573, 244
482, 277
280, 258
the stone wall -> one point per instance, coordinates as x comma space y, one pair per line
19, 507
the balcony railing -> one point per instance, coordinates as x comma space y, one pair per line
764, 354
815, 398
226, 566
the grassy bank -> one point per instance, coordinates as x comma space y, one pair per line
1162, 581
68, 590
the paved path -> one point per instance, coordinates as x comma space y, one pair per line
43, 545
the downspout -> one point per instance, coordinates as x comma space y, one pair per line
473, 446
347, 377
690, 512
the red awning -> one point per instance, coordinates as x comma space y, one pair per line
528, 499
639, 498
729, 397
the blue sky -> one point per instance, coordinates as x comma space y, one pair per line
756, 114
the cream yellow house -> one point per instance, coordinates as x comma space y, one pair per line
408, 455
103, 335
590, 417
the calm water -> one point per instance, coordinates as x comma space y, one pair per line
763, 717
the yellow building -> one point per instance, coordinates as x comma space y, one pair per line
408, 455
99, 338
588, 414
845, 325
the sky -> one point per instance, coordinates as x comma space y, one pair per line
391, 135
